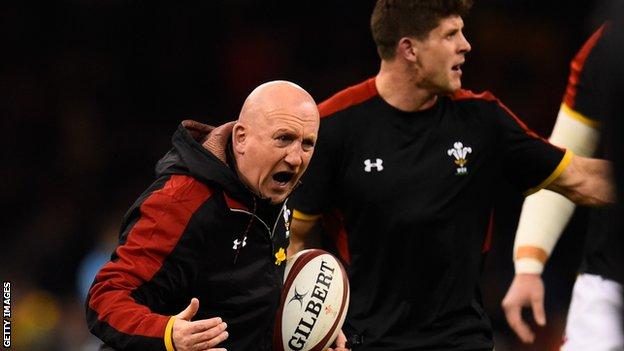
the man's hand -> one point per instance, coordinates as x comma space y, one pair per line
525, 290
340, 343
197, 335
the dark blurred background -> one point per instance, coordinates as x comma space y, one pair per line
91, 91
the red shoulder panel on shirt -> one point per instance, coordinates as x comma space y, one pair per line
350, 96
576, 66
462, 94
164, 217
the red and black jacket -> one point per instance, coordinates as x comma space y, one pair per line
197, 231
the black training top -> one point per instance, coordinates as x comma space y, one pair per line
197, 231
589, 99
407, 198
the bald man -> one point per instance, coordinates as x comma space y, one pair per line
201, 253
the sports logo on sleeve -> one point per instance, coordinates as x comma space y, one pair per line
298, 297
378, 165
460, 152
238, 243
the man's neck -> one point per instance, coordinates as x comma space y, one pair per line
397, 85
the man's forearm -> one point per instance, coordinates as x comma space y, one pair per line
300, 230
543, 218
586, 181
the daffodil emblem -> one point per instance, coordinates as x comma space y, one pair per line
280, 256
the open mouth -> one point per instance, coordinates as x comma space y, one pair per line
457, 67
283, 177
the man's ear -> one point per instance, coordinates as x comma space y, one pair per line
407, 48
239, 138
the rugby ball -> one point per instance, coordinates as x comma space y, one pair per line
314, 302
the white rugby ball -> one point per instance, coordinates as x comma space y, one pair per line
314, 302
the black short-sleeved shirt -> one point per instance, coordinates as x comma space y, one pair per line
412, 195
589, 98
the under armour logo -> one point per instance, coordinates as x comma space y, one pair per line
368, 165
239, 243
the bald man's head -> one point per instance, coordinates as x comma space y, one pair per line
274, 138
273, 97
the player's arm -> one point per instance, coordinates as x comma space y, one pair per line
586, 181
544, 217
116, 309
301, 228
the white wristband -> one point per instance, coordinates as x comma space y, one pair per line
529, 266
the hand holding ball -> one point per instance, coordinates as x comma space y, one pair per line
314, 302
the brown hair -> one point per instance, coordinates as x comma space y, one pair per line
394, 19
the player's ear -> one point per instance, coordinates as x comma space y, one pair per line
407, 48
239, 138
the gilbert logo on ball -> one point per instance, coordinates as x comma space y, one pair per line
314, 302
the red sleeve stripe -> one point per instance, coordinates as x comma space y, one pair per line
487, 242
576, 67
348, 97
333, 222
486, 95
164, 217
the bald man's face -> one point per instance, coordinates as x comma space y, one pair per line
274, 144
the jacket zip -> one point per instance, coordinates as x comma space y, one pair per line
278, 217
271, 232
255, 216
